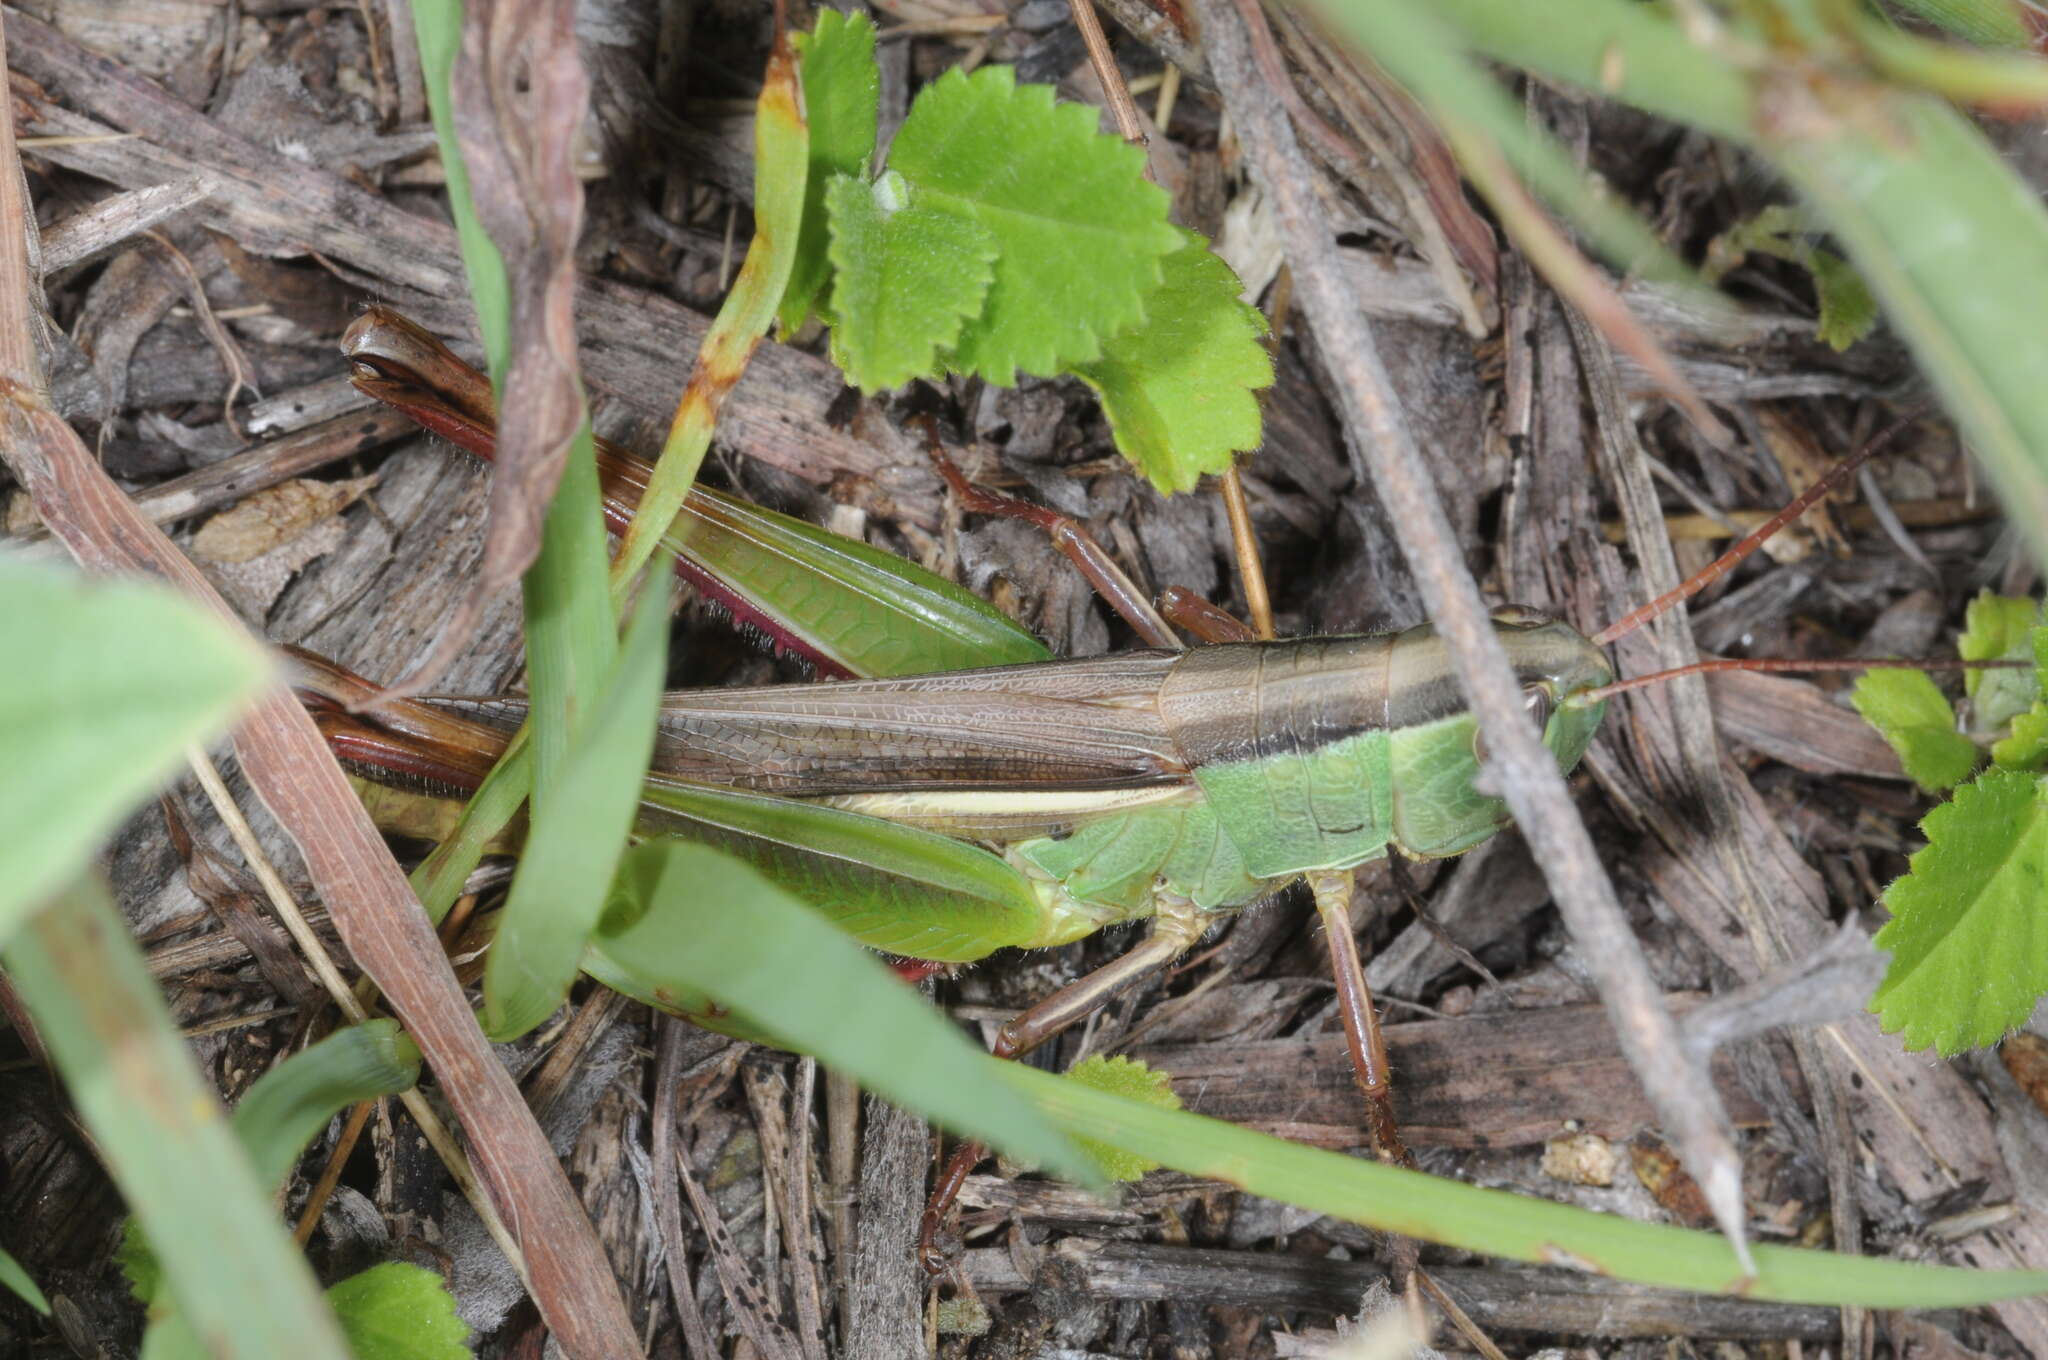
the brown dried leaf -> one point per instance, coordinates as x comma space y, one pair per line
1668, 1182
273, 517
2026, 1057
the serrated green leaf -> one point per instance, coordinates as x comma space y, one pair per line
1998, 627
1847, 310
106, 683
907, 276
842, 92
1133, 1080
2026, 748
1178, 387
1968, 939
1913, 715
1080, 231
399, 1311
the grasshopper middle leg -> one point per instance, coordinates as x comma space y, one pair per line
1176, 925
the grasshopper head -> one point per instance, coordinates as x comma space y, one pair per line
1555, 663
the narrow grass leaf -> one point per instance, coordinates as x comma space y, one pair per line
437, 27
290, 1104
709, 924
1995, 23
18, 1282
106, 685
781, 170
1498, 1223
578, 833
1417, 46
228, 1263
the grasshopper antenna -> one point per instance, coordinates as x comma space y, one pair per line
1713, 664
1727, 561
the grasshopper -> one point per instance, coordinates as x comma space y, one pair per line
944, 816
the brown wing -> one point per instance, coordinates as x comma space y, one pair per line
1087, 724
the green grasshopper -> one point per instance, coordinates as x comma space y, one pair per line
945, 816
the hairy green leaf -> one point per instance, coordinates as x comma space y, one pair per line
399, 1311
1178, 388
105, 686
686, 919
1915, 717
842, 91
2026, 746
1133, 1080
907, 276
1081, 234
1968, 939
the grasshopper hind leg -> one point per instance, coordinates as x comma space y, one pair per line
1176, 925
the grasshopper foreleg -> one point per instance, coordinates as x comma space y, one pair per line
1176, 924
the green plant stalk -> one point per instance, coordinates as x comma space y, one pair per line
1498, 1223
437, 26
164, 1136
781, 167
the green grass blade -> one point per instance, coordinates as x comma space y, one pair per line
578, 833
437, 26
18, 1282
713, 925
104, 688
1496, 1222
230, 1265
289, 1105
